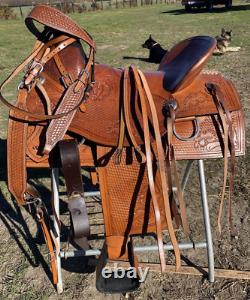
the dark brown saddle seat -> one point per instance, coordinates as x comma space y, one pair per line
185, 61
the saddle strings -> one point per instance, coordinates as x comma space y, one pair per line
172, 164
145, 98
125, 123
228, 133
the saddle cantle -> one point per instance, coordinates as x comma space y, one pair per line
136, 125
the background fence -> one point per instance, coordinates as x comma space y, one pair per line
8, 7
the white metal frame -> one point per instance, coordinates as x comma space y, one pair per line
208, 244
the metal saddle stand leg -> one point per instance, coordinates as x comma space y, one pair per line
207, 244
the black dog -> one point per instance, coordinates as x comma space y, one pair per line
156, 52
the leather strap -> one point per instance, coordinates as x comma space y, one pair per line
66, 78
50, 241
70, 161
126, 104
142, 83
174, 173
118, 153
150, 167
228, 132
16, 148
72, 99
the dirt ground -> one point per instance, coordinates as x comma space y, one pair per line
24, 271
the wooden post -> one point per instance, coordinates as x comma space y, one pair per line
102, 4
21, 12
191, 270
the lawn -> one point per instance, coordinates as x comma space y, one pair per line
120, 32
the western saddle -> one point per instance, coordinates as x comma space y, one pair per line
136, 125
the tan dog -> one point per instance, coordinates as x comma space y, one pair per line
223, 42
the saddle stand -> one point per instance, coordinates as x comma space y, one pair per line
207, 244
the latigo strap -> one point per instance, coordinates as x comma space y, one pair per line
71, 168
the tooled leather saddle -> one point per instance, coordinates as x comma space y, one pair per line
136, 125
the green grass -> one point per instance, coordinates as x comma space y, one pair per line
120, 32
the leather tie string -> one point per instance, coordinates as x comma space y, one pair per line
226, 120
146, 100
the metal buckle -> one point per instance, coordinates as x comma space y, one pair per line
30, 68
63, 80
84, 71
20, 85
34, 65
33, 200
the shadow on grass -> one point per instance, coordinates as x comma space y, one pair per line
138, 58
13, 219
204, 10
